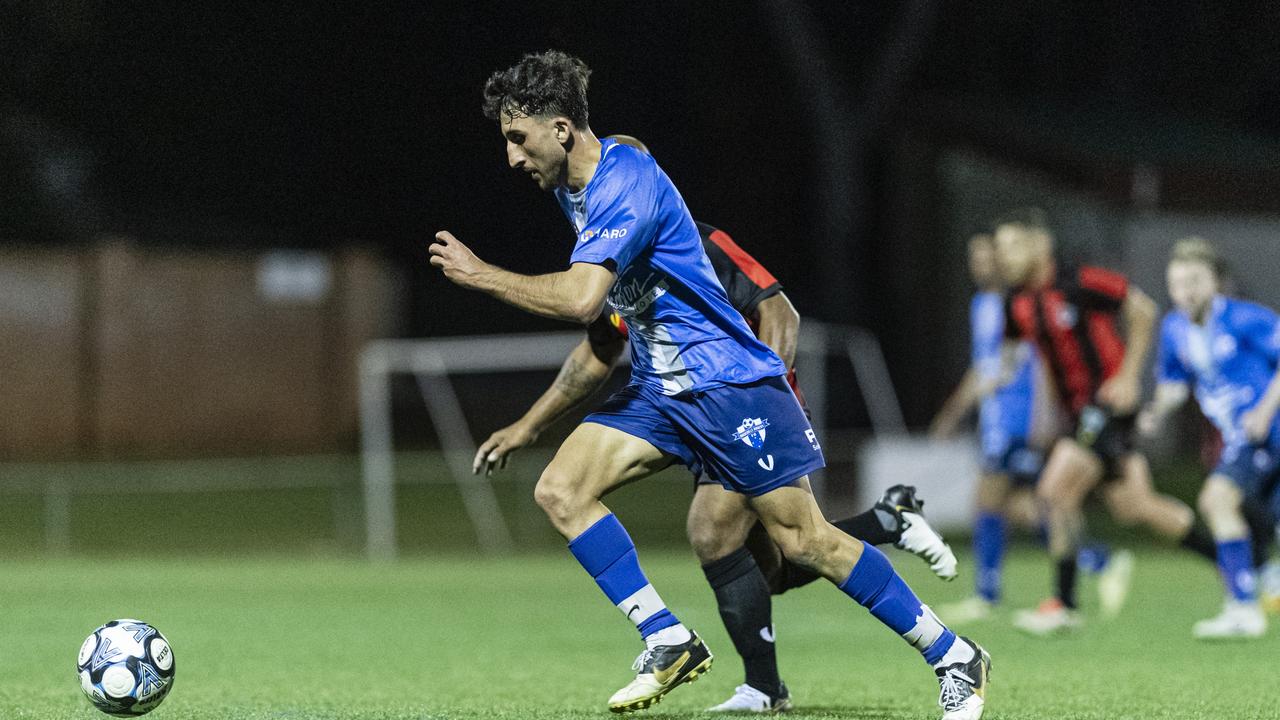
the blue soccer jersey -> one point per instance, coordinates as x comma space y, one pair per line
685, 335
1006, 414
1231, 359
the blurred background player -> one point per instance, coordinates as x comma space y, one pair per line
1016, 422
741, 564
1229, 350
1072, 314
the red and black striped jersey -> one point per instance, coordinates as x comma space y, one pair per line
745, 280
1073, 322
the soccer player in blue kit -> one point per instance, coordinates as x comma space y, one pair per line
703, 389
1011, 460
1229, 350
741, 564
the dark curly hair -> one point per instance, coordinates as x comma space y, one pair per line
549, 83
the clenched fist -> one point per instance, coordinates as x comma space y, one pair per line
459, 264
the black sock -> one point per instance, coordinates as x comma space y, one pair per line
1067, 580
747, 612
875, 527
1199, 541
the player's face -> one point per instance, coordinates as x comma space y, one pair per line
1192, 286
1018, 251
982, 261
534, 146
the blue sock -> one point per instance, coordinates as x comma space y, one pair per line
989, 542
606, 552
1235, 562
875, 585
1093, 557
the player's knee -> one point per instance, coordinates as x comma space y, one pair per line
707, 543
992, 490
1129, 514
1050, 495
1217, 500
807, 547
1206, 503
1132, 508
788, 542
556, 494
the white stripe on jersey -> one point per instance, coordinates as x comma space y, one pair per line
663, 353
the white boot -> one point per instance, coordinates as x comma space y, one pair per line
747, 699
1238, 620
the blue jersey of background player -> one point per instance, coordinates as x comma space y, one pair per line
1004, 417
1010, 460
1229, 350
704, 389
1229, 356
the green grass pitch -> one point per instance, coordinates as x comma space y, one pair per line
530, 637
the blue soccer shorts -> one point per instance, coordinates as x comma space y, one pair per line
1004, 453
749, 438
1255, 469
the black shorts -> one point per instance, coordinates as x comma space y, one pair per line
1110, 437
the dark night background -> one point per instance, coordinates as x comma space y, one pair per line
315, 125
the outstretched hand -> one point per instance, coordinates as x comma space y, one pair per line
493, 454
459, 264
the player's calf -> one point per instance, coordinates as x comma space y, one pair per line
817, 547
896, 519
563, 501
1220, 504
794, 521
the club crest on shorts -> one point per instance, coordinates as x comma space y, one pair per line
751, 432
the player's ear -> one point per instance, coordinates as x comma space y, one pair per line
563, 130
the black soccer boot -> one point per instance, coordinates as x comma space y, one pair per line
903, 513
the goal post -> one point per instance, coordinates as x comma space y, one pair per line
433, 361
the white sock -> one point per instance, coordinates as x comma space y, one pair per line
673, 635
927, 630
959, 654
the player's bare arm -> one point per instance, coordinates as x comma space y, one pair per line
1121, 392
583, 372
1257, 421
779, 326
1010, 356
960, 403
1169, 396
574, 295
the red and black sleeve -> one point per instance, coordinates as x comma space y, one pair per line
607, 328
1101, 289
745, 280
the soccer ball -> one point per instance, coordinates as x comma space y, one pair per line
126, 668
